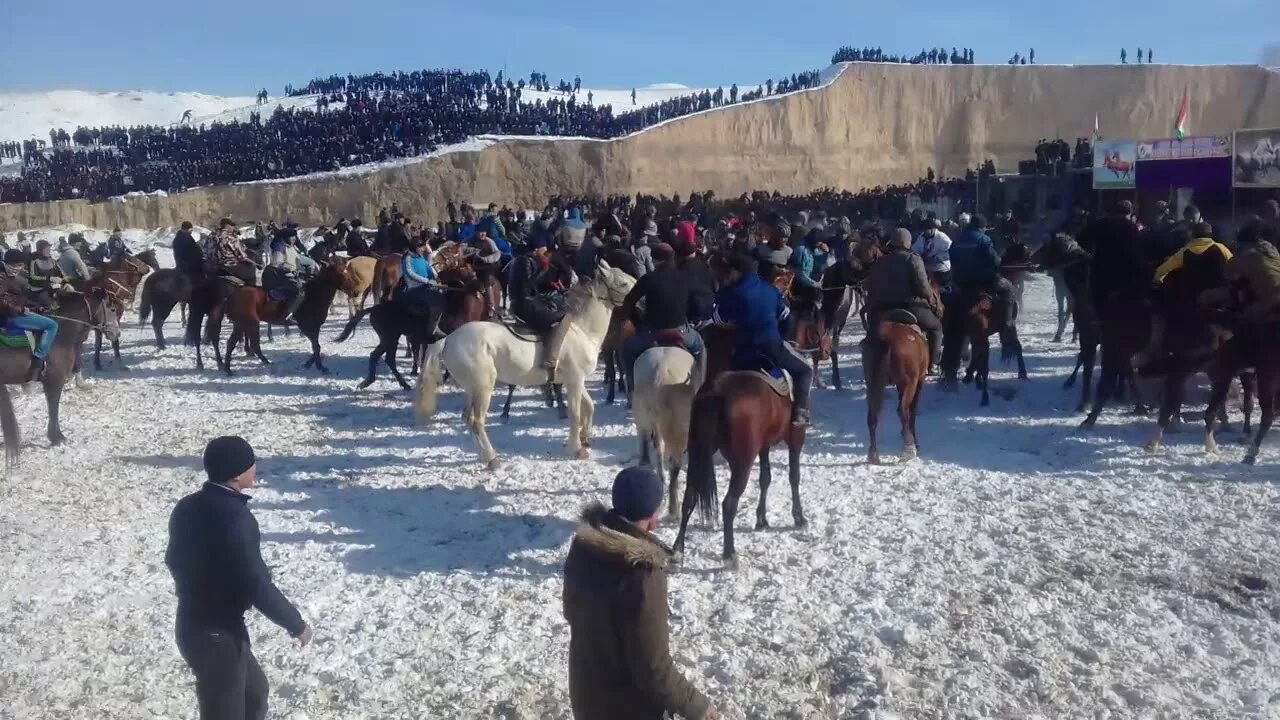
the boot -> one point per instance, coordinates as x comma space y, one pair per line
551, 351
935, 350
800, 418
293, 305
36, 371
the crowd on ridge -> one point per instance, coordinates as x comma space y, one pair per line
929, 56
357, 120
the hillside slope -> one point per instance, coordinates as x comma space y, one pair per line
874, 124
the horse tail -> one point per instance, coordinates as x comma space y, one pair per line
144, 302
9, 424
704, 440
195, 317
352, 323
424, 403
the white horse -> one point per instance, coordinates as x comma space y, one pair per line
479, 355
666, 380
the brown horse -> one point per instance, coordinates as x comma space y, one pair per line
620, 329
1230, 361
740, 415
249, 306
386, 276
979, 326
1125, 329
899, 354
843, 295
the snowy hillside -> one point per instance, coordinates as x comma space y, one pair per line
32, 115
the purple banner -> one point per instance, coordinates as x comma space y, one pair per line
1209, 174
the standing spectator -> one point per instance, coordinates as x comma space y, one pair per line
218, 573
615, 599
1124, 57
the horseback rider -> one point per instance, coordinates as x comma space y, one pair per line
287, 270
975, 269
116, 247
225, 255
934, 248
17, 316
809, 258
898, 281
187, 256
1253, 277
1119, 266
43, 275
419, 288
1200, 267
357, 245
775, 254
668, 303
534, 301
72, 265
757, 311
702, 283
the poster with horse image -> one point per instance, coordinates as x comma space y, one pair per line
1256, 160
1113, 162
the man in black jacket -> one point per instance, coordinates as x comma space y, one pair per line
186, 253
218, 572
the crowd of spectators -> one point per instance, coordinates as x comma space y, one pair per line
356, 119
1055, 156
928, 56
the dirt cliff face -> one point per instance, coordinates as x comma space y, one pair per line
875, 124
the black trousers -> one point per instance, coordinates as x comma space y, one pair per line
230, 685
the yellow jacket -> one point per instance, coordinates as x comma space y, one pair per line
1195, 247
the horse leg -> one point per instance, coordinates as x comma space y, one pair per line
557, 390
817, 376
1169, 405
478, 409
795, 443
610, 377
1022, 361
1107, 379
506, 407
115, 351
1248, 387
97, 350
576, 448
740, 471
1267, 399
1075, 371
389, 356
586, 421
253, 339
835, 359
1088, 355
1217, 402
236, 334
270, 334
12, 434
373, 368
53, 398
160, 313
315, 353
906, 399
673, 483
766, 477
875, 397
982, 358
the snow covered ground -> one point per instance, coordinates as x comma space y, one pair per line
1019, 569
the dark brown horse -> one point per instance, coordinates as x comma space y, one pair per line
386, 276
76, 315
465, 301
740, 415
620, 329
249, 306
898, 354
979, 326
1262, 353
1125, 328
843, 295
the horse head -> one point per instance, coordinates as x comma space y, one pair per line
104, 312
611, 284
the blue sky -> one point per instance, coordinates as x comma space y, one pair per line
237, 46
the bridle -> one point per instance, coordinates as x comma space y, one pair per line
100, 327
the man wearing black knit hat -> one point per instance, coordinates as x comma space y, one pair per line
218, 572
615, 599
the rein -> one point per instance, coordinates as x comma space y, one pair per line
89, 309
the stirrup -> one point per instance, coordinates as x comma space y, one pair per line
37, 369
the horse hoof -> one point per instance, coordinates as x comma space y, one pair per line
1087, 424
801, 523
873, 460
582, 454
367, 383
493, 464
586, 442
1153, 448
1250, 460
57, 440
563, 414
762, 524
731, 562
325, 371
910, 453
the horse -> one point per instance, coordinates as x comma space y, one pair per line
979, 325
464, 303
76, 316
666, 380
358, 282
620, 329
480, 354
163, 290
739, 414
1121, 168
842, 295
386, 276
899, 355
1229, 362
1125, 327
249, 306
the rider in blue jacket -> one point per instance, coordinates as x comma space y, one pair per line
757, 311
419, 287
975, 267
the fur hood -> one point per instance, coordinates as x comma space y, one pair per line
616, 541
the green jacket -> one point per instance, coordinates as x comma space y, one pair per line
1255, 271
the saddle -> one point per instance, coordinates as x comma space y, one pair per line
17, 339
901, 316
522, 331
778, 380
667, 338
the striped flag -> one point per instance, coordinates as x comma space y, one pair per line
1097, 135
1180, 125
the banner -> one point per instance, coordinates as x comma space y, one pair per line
1113, 162
1192, 148
1257, 158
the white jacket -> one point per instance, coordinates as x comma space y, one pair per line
935, 251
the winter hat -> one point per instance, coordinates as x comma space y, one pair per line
651, 229
227, 457
901, 238
662, 252
637, 493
